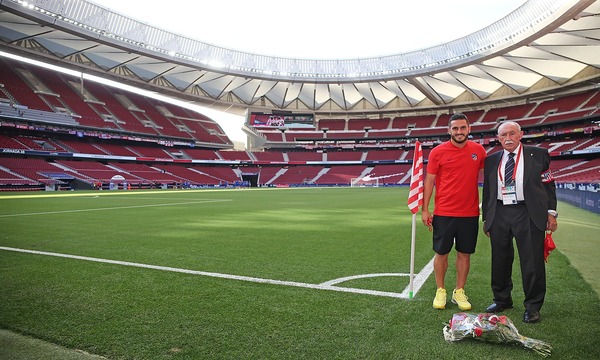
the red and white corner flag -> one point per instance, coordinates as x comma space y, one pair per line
415, 196
415, 201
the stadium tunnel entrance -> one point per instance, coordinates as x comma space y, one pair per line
251, 178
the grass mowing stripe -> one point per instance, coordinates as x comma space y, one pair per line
328, 285
114, 208
96, 193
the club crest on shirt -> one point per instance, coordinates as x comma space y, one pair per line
474, 157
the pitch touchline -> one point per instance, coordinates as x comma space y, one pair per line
419, 279
113, 208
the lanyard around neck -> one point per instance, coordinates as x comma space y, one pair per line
514, 174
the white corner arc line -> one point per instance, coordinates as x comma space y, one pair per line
417, 283
362, 276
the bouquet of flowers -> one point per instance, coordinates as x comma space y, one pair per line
497, 329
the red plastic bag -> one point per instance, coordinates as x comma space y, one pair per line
548, 245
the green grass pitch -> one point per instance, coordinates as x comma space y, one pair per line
240, 260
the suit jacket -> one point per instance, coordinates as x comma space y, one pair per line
539, 189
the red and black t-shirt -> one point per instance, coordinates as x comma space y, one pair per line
456, 173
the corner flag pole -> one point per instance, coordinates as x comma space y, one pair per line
415, 201
412, 256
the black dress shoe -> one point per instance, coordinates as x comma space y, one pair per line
496, 308
531, 316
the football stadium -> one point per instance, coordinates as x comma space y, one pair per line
134, 227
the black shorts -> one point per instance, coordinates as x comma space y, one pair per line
458, 231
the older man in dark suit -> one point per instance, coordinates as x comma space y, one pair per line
519, 201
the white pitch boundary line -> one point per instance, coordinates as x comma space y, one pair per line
419, 279
114, 208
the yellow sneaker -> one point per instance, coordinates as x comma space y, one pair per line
440, 299
459, 298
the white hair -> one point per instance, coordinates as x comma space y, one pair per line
514, 123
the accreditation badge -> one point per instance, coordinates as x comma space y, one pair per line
509, 195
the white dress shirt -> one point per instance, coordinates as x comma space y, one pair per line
518, 175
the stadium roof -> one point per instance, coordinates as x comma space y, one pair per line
542, 47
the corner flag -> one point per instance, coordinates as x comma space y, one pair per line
415, 197
415, 201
